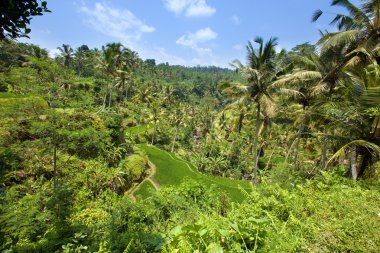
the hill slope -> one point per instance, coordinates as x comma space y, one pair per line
172, 171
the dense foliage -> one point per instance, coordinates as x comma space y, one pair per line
15, 16
101, 151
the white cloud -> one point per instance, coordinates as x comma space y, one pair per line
192, 40
236, 20
279, 48
238, 47
121, 24
162, 56
191, 8
44, 31
53, 52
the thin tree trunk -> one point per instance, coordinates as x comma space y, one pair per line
175, 137
240, 122
298, 145
105, 96
375, 128
324, 151
154, 133
256, 154
110, 97
55, 166
126, 92
354, 168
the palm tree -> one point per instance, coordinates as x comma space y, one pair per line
309, 87
155, 116
109, 61
81, 53
129, 62
260, 72
177, 118
358, 30
361, 111
67, 53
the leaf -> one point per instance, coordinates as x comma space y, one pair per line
342, 151
176, 230
214, 248
235, 226
258, 221
316, 15
223, 232
203, 232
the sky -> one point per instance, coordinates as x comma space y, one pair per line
183, 32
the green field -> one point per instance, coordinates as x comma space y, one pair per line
144, 190
172, 171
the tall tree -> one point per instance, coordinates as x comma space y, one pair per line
67, 54
109, 61
359, 29
260, 73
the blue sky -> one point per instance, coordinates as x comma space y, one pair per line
185, 32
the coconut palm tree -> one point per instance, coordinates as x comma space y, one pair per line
109, 61
260, 73
358, 120
307, 85
358, 30
67, 54
177, 117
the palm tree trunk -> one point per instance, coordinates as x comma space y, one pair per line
354, 168
105, 96
110, 97
324, 151
375, 128
175, 137
256, 154
298, 144
126, 91
154, 132
55, 166
240, 122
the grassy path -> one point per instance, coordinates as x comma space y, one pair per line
171, 170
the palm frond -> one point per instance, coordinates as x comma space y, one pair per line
319, 89
340, 39
357, 16
316, 15
291, 93
372, 147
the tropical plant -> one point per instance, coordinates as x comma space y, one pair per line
358, 30
260, 73
67, 54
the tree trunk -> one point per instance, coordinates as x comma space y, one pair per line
110, 98
324, 151
175, 137
55, 166
240, 122
126, 92
298, 144
256, 154
105, 96
154, 133
354, 168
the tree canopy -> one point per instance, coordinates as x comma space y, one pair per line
15, 16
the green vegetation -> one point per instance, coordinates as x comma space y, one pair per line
101, 151
172, 171
145, 190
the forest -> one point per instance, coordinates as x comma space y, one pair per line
103, 151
